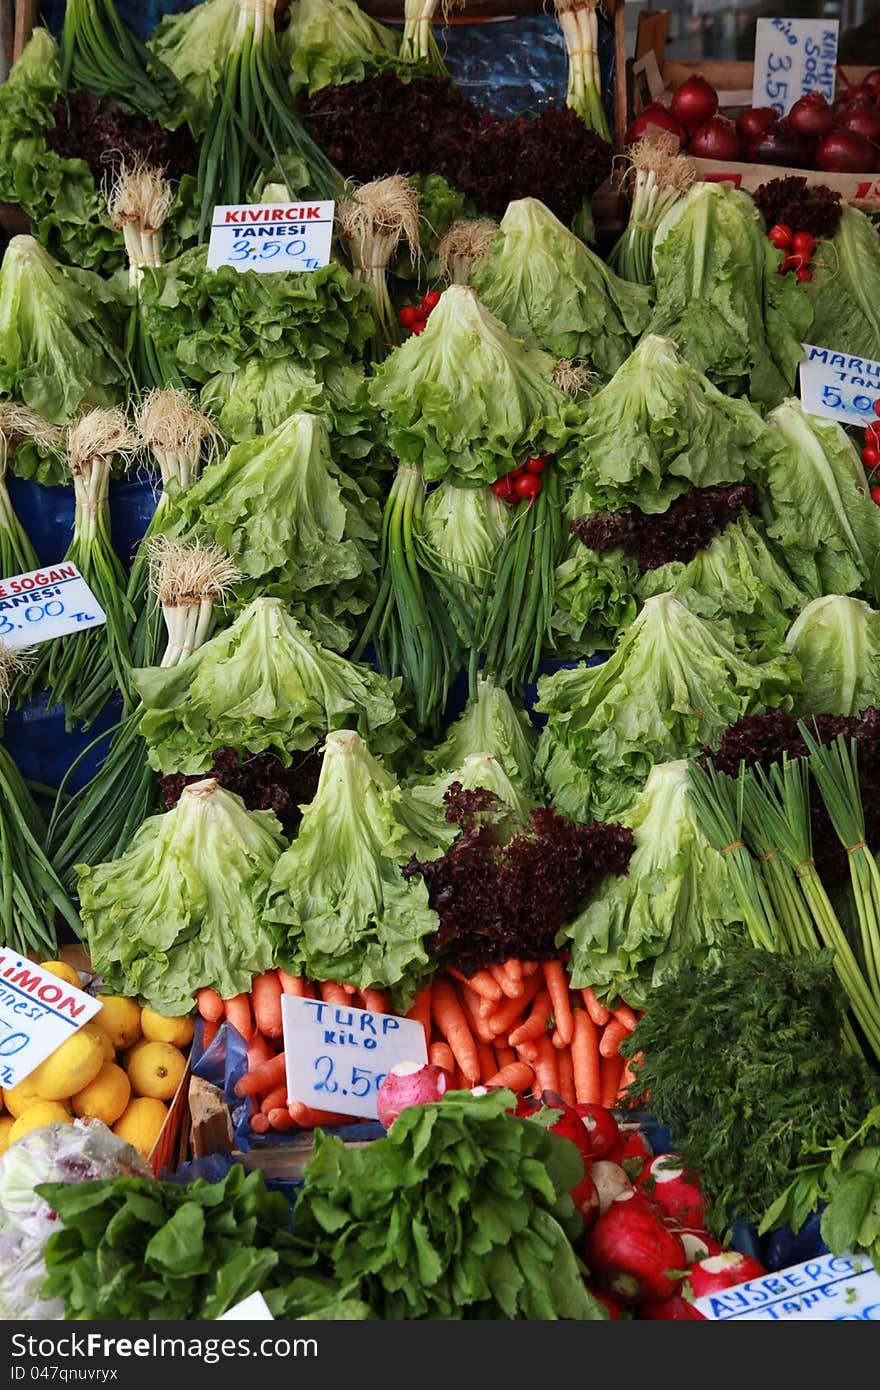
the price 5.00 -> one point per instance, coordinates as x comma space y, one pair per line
360, 1083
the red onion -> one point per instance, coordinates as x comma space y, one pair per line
716, 138
780, 144
812, 116
872, 80
842, 151
752, 123
863, 118
694, 102
655, 116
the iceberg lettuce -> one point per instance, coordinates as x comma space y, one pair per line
836, 640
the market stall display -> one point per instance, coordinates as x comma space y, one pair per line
495, 664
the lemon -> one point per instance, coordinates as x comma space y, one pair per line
106, 1042
70, 1067
19, 1098
156, 1070
6, 1123
106, 1097
121, 1018
133, 1050
140, 1123
63, 971
45, 1112
2, 1101
157, 1028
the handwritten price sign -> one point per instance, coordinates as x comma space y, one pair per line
337, 1057
46, 603
793, 57
38, 1012
839, 386
269, 237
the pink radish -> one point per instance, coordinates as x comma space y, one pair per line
665, 1179
409, 1083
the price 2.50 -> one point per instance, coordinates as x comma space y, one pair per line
360, 1083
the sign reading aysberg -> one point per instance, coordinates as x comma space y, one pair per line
269, 237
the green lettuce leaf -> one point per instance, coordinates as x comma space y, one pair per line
329, 42
297, 526
260, 684
59, 334
675, 901
593, 592
478, 770
720, 297
659, 428
823, 516
212, 321
836, 641
193, 45
463, 529
466, 398
674, 682
183, 906
339, 907
489, 723
553, 291
845, 288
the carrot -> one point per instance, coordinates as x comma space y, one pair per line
210, 1029
507, 1013
625, 1015
613, 1035
566, 1076
452, 1023
529, 967
513, 966
238, 1013
546, 1067
350, 989
281, 1119
585, 1059
305, 1116
259, 1123
557, 988
263, 1077
527, 1052
266, 1003
421, 1011
333, 993
504, 1056
209, 1004
259, 1051
440, 1055
376, 1000
277, 1096
536, 1023
511, 984
611, 1069
471, 1003
459, 1081
487, 1061
293, 984
481, 983
598, 1012
516, 1076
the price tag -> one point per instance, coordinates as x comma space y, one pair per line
38, 1012
793, 57
830, 1288
337, 1056
839, 386
46, 603
268, 237
254, 1308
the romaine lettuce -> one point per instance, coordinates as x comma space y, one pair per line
845, 288
836, 640
489, 723
329, 42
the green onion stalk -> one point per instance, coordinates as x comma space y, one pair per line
101, 55
252, 123
83, 669
657, 176
139, 199
181, 439
718, 807
372, 222
17, 555
97, 822
579, 22
780, 797
418, 46
33, 900
836, 774
466, 242
410, 626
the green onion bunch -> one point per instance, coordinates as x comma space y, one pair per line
657, 175
418, 45
579, 22
372, 223
101, 55
17, 555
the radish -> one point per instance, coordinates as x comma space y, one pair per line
604, 1137
716, 1272
408, 1083
633, 1253
676, 1308
609, 1179
615, 1309
636, 1149
697, 1244
666, 1181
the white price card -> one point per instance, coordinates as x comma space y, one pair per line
46, 603
254, 1308
839, 386
793, 57
337, 1056
830, 1288
38, 1012
268, 237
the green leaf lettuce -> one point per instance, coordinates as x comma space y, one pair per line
836, 640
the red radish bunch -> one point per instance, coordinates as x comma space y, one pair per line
415, 317
522, 483
871, 451
797, 248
